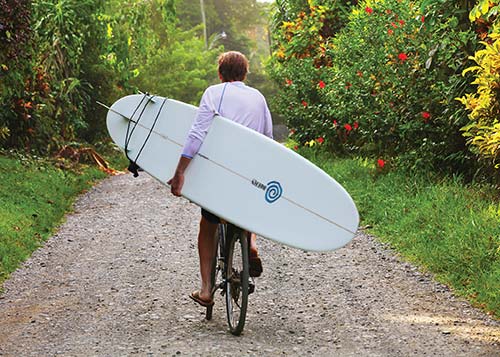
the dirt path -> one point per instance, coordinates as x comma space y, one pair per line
114, 281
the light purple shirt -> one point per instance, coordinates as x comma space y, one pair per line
232, 100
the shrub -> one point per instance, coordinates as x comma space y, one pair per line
384, 85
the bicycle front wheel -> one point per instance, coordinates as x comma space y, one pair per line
217, 265
237, 280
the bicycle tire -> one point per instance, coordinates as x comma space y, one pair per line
237, 279
221, 242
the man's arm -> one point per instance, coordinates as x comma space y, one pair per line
195, 138
177, 181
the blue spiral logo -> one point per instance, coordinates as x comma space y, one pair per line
273, 191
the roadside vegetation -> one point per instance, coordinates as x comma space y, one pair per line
35, 196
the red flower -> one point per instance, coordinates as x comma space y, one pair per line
296, 148
359, 74
288, 82
394, 25
369, 10
390, 32
348, 127
334, 122
348, 85
402, 57
356, 125
321, 84
381, 163
320, 140
401, 22
304, 103
422, 18
426, 115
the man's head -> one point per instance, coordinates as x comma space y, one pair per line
233, 66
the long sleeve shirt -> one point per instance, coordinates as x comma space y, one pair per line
232, 100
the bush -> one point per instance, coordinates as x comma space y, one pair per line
384, 85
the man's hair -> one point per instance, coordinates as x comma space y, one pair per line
233, 66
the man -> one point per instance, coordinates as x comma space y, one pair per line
234, 100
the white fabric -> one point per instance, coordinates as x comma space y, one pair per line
240, 103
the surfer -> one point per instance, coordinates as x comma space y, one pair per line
245, 105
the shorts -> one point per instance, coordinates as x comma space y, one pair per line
212, 218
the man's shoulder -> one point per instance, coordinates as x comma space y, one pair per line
254, 91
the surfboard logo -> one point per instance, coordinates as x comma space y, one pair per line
273, 190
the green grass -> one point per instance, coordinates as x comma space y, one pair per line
34, 197
449, 229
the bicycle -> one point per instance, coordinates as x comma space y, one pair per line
230, 273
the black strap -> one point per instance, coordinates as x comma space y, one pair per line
133, 167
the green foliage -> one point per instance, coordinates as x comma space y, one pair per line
483, 131
15, 69
63, 29
300, 64
59, 56
35, 195
484, 8
179, 69
449, 229
384, 85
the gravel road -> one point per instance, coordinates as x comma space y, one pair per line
115, 279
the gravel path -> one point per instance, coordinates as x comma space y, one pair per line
115, 280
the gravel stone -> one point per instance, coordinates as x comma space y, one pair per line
115, 280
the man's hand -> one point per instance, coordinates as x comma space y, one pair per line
176, 184
177, 181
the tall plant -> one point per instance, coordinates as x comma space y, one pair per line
16, 108
63, 29
483, 130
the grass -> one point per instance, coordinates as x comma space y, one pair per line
449, 229
35, 195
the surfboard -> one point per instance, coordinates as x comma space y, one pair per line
239, 175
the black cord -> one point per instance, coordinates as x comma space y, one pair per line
149, 134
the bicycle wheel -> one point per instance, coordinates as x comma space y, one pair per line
237, 279
217, 264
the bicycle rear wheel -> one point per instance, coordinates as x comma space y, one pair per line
237, 279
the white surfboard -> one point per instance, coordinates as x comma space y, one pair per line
240, 175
